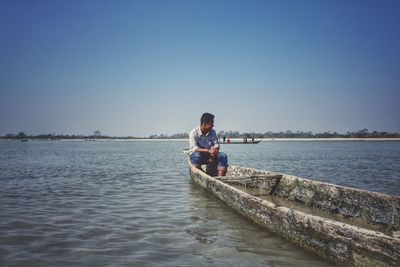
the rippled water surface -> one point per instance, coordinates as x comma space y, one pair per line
133, 204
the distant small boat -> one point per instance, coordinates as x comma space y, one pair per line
24, 140
348, 226
241, 143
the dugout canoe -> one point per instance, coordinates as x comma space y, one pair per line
348, 226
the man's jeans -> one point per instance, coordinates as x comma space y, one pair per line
201, 158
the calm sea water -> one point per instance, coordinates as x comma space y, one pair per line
133, 204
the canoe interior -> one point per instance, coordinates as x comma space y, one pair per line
370, 210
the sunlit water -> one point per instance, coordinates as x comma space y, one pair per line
133, 204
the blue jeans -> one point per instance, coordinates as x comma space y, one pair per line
201, 158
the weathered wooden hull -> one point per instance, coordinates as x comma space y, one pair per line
364, 229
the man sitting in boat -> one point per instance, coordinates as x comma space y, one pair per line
204, 146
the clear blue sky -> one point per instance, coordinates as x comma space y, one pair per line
150, 67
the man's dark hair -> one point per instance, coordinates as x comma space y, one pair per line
206, 117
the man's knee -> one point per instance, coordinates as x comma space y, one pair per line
195, 158
222, 159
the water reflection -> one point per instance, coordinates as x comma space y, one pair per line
224, 237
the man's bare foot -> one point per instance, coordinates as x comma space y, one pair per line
221, 172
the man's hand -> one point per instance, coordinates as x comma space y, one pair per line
213, 152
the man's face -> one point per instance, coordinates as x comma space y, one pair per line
206, 127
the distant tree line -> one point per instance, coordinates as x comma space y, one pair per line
96, 135
364, 133
173, 136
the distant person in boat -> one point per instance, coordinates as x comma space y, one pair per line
224, 138
204, 146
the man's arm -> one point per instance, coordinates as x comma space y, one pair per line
193, 143
204, 150
215, 148
215, 140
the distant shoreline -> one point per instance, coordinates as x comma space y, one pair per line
329, 139
233, 139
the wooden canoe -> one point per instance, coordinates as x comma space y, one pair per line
348, 226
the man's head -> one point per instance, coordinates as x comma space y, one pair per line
206, 122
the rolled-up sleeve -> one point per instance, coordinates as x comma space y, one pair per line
192, 141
